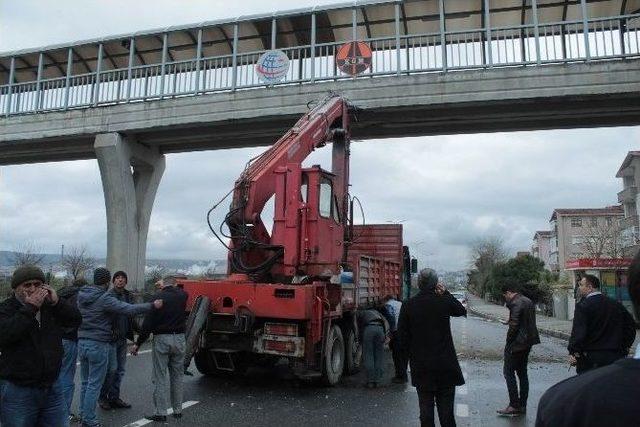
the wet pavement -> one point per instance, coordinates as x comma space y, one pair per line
274, 398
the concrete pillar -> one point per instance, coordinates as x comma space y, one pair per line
130, 175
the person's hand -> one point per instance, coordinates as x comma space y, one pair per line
52, 295
440, 289
134, 350
573, 361
36, 298
157, 304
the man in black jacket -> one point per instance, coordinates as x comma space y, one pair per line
31, 322
521, 336
606, 396
167, 326
603, 330
424, 335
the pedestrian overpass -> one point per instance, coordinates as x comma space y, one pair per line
436, 67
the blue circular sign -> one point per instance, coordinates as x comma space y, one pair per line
272, 66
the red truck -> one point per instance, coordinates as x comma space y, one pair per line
294, 291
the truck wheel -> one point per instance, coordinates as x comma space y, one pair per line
194, 325
205, 363
353, 353
333, 358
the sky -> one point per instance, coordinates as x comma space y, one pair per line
446, 191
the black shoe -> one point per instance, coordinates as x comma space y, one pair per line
157, 418
177, 416
104, 404
119, 403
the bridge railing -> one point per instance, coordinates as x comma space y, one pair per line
611, 38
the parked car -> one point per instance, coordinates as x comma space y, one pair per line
460, 296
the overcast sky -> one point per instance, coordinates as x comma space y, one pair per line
447, 191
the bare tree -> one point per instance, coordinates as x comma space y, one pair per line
603, 240
485, 254
27, 254
77, 261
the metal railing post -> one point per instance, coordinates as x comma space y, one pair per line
487, 29
354, 24
96, 92
198, 61
274, 31
398, 57
585, 29
536, 30
234, 58
12, 71
313, 47
163, 64
132, 48
443, 36
67, 79
36, 107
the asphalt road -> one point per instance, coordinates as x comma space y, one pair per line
275, 398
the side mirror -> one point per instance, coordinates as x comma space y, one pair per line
414, 265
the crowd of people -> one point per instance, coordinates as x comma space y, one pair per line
46, 333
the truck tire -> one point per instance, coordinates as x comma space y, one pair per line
205, 363
194, 326
333, 358
353, 352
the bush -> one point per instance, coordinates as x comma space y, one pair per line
525, 273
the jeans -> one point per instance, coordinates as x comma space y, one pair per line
443, 399
373, 352
117, 360
32, 406
68, 371
516, 363
168, 355
94, 358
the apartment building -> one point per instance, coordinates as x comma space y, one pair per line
629, 172
574, 230
541, 249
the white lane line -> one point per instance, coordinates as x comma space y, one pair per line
144, 421
128, 354
462, 390
462, 410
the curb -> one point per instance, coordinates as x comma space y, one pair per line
549, 332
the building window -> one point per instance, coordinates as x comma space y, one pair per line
594, 222
577, 240
609, 221
576, 222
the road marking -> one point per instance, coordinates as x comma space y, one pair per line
462, 410
144, 421
128, 354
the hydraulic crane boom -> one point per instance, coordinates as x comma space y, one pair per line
310, 204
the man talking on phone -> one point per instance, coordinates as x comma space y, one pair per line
31, 322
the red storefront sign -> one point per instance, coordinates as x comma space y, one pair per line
587, 263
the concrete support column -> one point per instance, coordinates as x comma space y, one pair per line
130, 177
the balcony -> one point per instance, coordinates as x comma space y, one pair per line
628, 195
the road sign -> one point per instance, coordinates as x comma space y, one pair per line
272, 66
354, 58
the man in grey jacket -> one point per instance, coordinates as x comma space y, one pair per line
97, 307
521, 336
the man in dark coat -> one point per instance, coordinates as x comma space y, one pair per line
521, 336
603, 330
424, 334
31, 322
606, 396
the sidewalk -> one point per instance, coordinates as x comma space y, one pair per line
546, 325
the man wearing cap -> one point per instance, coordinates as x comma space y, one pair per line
123, 327
31, 351
95, 335
605, 396
424, 335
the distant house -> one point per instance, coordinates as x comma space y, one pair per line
541, 249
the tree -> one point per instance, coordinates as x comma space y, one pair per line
152, 276
603, 240
77, 261
525, 273
27, 254
485, 254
